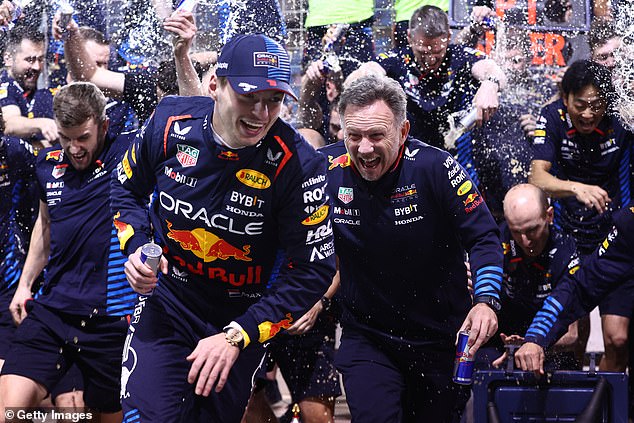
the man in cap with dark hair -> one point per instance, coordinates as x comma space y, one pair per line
239, 204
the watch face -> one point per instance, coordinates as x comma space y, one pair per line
235, 335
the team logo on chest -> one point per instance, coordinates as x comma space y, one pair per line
346, 195
187, 156
59, 170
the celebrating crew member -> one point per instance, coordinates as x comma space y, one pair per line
239, 202
80, 315
403, 214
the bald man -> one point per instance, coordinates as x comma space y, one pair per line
536, 257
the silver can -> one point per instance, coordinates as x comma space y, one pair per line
67, 12
151, 255
468, 121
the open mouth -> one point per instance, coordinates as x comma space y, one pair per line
252, 127
370, 164
79, 158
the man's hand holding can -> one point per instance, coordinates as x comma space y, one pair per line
142, 268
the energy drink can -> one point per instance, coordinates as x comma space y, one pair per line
151, 255
463, 366
66, 14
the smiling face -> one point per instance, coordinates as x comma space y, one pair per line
243, 120
25, 64
586, 108
373, 138
429, 52
82, 144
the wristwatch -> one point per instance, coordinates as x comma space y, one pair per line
326, 303
234, 337
492, 302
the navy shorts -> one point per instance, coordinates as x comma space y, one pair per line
154, 374
620, 301
48, 342
70, 382
7, 326
307, 361
383, 385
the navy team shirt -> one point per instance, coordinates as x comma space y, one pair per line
611, 264
17, 176
84, 275
601, 158
231, 221
431, 97
400, 243
529, 280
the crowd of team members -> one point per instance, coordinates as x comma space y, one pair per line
261, 234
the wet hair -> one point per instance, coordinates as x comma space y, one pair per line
585, 72
91, 34
431, 21
601, 31
75, 103
371, 88
22, 32
166, 78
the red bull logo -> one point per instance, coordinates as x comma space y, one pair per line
124, 230
253, 178
207, 246
632, 209
470, 198
228, 155
269, 329
474, 205
342, 161
506, 248
55, 155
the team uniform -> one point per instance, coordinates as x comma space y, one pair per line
307, 361
80, 313
404, 293
32, 104
264, 217
432, 97
527, 283
17, 176
139, 91
610, 265
602, 158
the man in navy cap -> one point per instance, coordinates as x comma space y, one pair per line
239, 204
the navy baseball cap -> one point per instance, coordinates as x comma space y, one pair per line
255, 63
